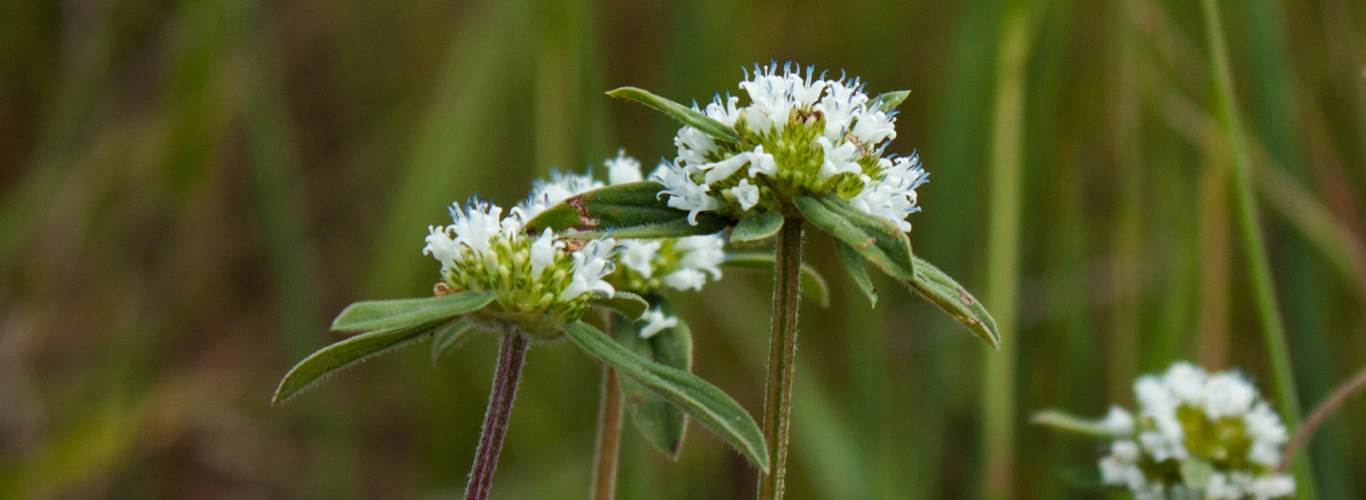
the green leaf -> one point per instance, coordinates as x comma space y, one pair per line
943, 291
390, 314
449, 337
812, 283
1064, 421
853, 264
710, 406
625, 303
877, 240
887, 101
632, 210
320, 365
757, 227
684, 114
659, 421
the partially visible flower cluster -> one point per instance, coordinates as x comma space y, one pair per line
647, 266
540, 281
1189, 420
799, 135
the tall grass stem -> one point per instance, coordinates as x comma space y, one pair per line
1259, 270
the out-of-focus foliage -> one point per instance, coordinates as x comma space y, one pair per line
188, 190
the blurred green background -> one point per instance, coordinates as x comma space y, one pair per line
190, 190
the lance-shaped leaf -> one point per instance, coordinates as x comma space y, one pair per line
690, 117
757, 227
632, 210
329, 360
624, 303
1071, 423
659, 421
877, 240
887, 101
943, 291
449, 337
709, 405
812, 283
390, 314
853, 264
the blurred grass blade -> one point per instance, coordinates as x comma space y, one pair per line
875, 239
943, 291
888, 101
688, 116
1071, 423
813, 284
399, 313
853, 264
449, 337
661, 423
329, 360
709, 405
632, 210
757, 227
625, 303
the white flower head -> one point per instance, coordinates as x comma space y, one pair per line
798, 133
538, 280
655, 322
1187, 413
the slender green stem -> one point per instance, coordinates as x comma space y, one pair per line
607, 450
505, 379
782, 348
1259, 271
998, 407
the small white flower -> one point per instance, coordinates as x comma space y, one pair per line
1221, 487
476, 224
441, 247
1227, 394
724, 113
840, 106
1268, 487
1118, 421
622, 169
693, 145
686, 279
724, 168
874, 127
543, 252
1268, 435
1186, 382
761, 162
638, 255
656, 321
591, 263
683, 193
838, 159
703, 253
746, 194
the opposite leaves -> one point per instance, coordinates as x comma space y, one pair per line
877, 240
709, 405
388, 314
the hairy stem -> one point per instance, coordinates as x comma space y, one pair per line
1258, 269
1316, 418
782, 349
510, 358
605, 454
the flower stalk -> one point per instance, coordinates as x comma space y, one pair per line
607, 448
509, 372
782, 351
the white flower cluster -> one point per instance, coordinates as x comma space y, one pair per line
1188, 414
799, 134
482, 250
